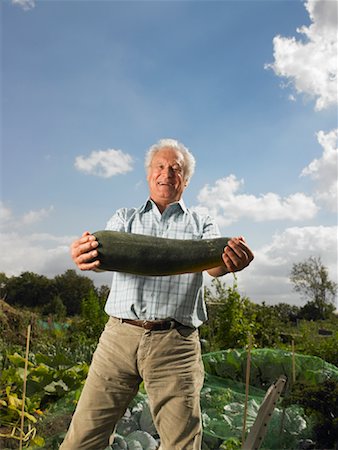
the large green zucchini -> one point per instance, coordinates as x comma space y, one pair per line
148, 255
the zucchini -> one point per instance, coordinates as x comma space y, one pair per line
155, 256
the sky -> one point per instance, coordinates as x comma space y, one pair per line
249, 86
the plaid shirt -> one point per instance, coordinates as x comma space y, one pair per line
178, 297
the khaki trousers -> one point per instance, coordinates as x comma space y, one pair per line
170, 364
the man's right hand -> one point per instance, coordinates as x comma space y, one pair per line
84, 250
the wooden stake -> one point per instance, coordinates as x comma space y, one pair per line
247, 384
293, 362
24, 385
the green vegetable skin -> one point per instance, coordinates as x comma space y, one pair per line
154, 256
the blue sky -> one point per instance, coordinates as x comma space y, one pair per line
248, 86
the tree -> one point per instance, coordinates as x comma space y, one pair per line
30, 289
311, 279
56, 308
230, 316
3, 285
93, 315
73, 288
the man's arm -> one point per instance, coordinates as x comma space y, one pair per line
237, 255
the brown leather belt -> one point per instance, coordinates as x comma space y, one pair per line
153, 325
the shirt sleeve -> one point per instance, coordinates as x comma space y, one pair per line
210, 229
117, 222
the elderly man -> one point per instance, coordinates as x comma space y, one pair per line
152, 334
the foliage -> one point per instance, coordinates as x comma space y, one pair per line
93, 317
309, 339
48, 378
55, 308
266, 325
311, 279
285, 313
59, 296
73, 288
320, 402
58, 348
29, 289
14, 322
230, 317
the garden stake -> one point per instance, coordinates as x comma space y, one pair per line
24, 385
247, 383
293, 362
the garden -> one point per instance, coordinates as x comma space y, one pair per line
49, 330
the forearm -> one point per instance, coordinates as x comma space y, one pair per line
218, 271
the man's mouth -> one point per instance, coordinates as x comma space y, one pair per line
162, 183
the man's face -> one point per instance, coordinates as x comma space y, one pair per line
166, 177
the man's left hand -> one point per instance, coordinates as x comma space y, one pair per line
237, 255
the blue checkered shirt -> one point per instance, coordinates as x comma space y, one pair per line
179, 297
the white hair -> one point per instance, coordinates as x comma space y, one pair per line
189, 160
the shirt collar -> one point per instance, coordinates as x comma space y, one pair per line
149, 204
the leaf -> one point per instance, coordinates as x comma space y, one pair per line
119, 443
146, 420
17, 360
56, 387
14, 402
38, 441
146, 441
134, 445
30, 417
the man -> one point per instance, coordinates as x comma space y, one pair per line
152, 331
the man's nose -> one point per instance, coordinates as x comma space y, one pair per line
169, 171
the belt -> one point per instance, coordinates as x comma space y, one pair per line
153, 325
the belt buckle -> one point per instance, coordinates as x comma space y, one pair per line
146, 325
173, 324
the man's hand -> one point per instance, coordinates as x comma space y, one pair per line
83, 251
237, 255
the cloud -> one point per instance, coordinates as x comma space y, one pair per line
8, 221
104, 163
324, 170
5, 214
36, 216
37, 253
41, 253
26, 5
223, 202
267, 278
310, 65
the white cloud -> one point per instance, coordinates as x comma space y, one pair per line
25, 4
5, 214
223, 202
8, 221
43, 254
324, 169
311, 65
105, 163
267, 278
36, 216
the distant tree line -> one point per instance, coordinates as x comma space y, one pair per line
62, 295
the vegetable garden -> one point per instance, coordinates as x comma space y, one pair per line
60, 353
